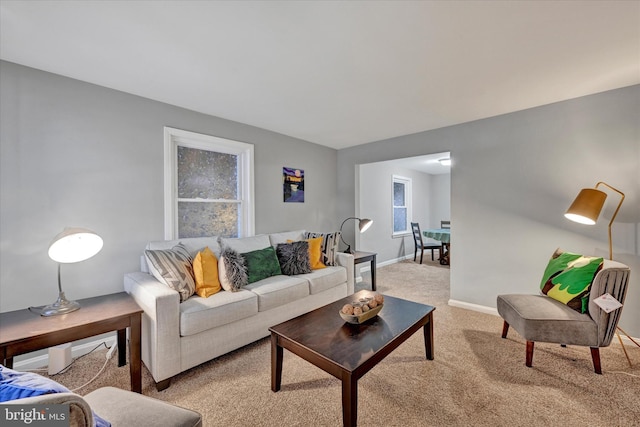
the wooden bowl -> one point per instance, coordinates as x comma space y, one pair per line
357, 320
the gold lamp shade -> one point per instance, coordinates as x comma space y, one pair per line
586, 208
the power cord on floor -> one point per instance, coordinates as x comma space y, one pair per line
626, 373
109, 356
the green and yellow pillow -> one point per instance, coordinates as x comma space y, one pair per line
568, 278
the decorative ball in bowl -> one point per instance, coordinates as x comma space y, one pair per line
360, 311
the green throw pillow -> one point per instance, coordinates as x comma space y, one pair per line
568, 278
261, 264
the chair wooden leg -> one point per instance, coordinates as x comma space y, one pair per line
415, 254
595, 356
529, 360
421, 255
505, 329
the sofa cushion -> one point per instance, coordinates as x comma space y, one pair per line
568, 278
173, 267
326, 278
246, 244
200, 314
330, 243
285, 236
540, 318
294, 257
261, 264
276, 291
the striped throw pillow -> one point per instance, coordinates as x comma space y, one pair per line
173, 267
330, 242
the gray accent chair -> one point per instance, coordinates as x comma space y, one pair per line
122, 408
541, 318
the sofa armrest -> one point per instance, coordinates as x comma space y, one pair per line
160, 323
346, 260
80, 413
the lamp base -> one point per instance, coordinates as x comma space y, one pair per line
61, 306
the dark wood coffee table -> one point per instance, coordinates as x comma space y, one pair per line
349, 351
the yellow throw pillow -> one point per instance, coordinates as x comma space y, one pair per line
315, 252
205, 270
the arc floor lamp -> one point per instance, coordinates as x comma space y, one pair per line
585, 209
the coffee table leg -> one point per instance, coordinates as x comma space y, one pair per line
428, 337
276, 363
349, 400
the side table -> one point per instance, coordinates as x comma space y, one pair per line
23, 331
360, 257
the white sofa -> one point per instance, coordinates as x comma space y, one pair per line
178, 336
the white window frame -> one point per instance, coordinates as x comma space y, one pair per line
407, 182
178, 137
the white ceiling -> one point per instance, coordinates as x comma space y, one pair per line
337, 73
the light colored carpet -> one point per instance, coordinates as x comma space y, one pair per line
476, 379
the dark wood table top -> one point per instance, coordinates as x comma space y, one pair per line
25, 324
324, 332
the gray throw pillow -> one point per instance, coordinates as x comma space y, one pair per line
294, 257
232, 269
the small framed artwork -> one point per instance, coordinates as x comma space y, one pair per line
293, 185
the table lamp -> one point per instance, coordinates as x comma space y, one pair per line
363, 225
585, 209
71, 245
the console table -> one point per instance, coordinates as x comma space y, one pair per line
24, 331
359, 257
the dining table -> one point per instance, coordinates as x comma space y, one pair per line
444, 236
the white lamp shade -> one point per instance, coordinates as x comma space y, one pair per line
74, 245
364, 224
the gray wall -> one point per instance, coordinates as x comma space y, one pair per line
76, 154
513, 177
431, 199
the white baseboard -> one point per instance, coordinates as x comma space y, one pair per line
367, 267
473, 307
41, 361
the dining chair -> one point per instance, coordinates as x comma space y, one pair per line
444, 250
419, 244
